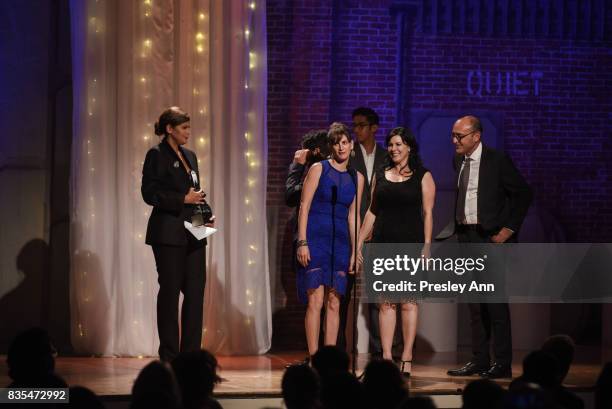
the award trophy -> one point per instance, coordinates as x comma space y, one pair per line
202, 213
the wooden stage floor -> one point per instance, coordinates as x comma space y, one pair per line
260, 376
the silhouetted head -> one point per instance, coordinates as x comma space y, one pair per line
483, 394
301, 387
156, 387
329, 361
33, 258
342, 391
384, 385
541, 368
196, 374
31, 357
561, 347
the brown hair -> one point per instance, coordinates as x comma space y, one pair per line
172, 116
336, 131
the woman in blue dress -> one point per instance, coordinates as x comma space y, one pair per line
326, 233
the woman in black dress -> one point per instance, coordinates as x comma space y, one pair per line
170, 183
403, 195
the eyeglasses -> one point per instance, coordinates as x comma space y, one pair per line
459, 136
360, 125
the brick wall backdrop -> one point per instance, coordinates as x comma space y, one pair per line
327, 57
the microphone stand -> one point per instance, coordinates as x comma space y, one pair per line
355, 306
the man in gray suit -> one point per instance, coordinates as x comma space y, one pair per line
367, 156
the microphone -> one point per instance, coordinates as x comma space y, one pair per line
334, 195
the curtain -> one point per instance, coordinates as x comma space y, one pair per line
131, 60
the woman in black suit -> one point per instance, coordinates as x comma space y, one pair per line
170, 183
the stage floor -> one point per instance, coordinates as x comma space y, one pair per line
260, 376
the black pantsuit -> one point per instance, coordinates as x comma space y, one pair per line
180, 269
179, 257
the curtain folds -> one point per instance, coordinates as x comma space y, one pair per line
130, 61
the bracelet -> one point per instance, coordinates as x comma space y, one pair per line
301, 243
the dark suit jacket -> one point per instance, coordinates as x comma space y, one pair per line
293, 184
503, 194
164, 186
293, 192
357, 162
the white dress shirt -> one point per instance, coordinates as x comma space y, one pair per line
368, 160
471, 197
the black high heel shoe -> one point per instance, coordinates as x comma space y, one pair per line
403, 365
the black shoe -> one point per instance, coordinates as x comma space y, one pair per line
404, 365
497, 371
468, 369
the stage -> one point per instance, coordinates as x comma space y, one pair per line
258, 378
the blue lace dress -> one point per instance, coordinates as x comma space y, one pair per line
327, 234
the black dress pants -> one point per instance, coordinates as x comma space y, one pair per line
180, 269
488, 321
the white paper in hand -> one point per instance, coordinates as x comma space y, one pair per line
200, 232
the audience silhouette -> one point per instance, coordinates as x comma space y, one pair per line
196, 374
31, 361
384, 385
301, 387
190, 380
156, 387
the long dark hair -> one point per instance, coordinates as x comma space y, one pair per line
414, 159
172, 116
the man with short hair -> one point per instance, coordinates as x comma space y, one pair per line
367, 156
492, 202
